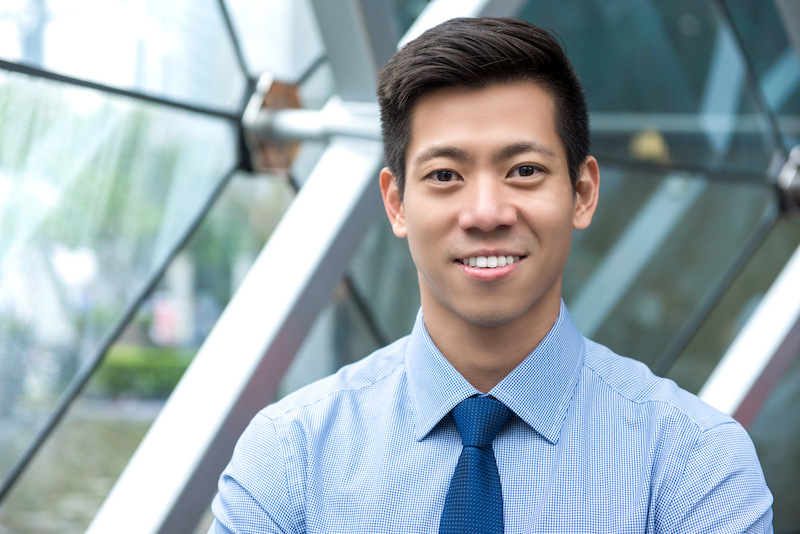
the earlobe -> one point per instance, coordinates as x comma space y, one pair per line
392, 203
586, 194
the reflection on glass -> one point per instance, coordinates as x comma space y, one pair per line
407, 12
763, 32
775, 433
96, 191
339, 336
708, 344
67, 481
665, 81
385, 276
277, 36
652, 253
178, 49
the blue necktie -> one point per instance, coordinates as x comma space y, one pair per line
474, 503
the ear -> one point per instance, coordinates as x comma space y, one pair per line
391, 201
586, 194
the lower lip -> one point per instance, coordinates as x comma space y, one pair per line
488, 274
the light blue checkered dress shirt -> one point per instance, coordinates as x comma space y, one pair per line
597, 444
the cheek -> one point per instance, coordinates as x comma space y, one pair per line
427, 233
551, 216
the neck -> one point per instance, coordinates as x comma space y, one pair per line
484, 355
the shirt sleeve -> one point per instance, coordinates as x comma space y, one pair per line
253, 494
722, 488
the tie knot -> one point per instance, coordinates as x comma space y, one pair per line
479, 419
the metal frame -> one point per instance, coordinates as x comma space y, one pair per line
91, 364
153, 99
171, 478
359, 38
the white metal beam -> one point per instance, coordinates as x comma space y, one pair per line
172, 476
442, 10
359, 38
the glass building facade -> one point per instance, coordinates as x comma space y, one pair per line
157, 157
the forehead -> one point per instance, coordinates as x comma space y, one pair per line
485, 118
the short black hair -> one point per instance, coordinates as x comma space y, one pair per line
476, 53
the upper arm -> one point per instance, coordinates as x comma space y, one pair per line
722, 488
254, 491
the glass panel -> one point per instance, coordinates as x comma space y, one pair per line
181, 50
340, 336
277, 36
408, 11
384, 274
656, 246
67, 481
96, 191
776, 433
665, 82
774, 60
695, 363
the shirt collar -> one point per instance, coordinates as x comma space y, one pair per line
538, 390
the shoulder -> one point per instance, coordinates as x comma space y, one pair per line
352, 383
710, 470
634, 384
283, 437
264, 485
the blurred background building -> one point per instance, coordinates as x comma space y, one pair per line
190, 227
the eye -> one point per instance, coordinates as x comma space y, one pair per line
442, 175
525, 171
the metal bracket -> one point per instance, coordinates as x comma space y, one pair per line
789, 183
269, 154
359, 120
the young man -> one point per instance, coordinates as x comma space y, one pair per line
495, 414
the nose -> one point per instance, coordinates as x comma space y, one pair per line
487, 206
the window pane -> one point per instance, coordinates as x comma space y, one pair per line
72, 474
715, 335
665, 81
340, 336
177, 49
656, 247
774, 60
96, 192
277, 36
776, 433
408, 11
384, 273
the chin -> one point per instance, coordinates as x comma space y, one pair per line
490, 318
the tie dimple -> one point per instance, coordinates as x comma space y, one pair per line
479, 419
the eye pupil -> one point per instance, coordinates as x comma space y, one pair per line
444, 176
526, 170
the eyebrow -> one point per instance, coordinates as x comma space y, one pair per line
503, 154
442, 152
521, 148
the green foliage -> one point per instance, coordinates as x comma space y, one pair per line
139, 371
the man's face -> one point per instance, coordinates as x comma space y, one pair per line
488, 207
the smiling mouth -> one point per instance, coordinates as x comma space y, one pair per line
489, 262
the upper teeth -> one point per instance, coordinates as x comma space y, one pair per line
489, 262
